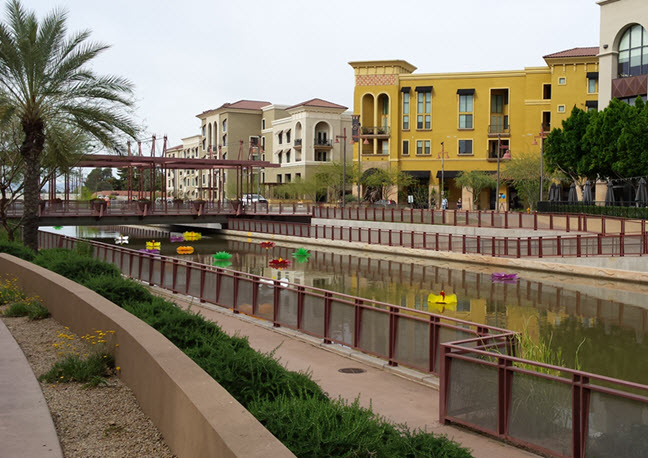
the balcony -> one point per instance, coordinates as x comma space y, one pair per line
375, 132
546, 128
322, 144
499, 130
298, 143
492, 156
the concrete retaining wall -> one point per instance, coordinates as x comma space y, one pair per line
196, 416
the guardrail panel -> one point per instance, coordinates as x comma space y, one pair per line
413, 343
313, 314
210, 289
341, 322
288, 305
374, 332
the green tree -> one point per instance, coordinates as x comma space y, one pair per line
100, 180
381, 180
523, 171
330, 176
477, 181
47, 84
565, 149
632, 144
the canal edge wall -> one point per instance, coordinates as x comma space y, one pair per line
196, 416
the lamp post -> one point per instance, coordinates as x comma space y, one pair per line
542, 136
442, 155
507, 155
337, 140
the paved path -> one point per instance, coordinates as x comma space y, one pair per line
26, 427
391, 395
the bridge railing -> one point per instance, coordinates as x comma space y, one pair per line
510, 247
397, 334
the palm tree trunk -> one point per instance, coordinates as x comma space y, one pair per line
31, 150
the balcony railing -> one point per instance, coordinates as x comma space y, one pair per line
323, 143
298, 143
497, 129
375, 131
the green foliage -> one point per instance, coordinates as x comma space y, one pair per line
83, 249
118, 290
17, 249
477, 181
74, 266
523, 171
29, 307
381, 180
73, 368
100, 180
564, 149
317, 428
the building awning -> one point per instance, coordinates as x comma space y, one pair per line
418, 173
423, 88
592, 75
406, 89
592, 104
465, 91
449, 174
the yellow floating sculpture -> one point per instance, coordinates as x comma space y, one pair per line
442, 302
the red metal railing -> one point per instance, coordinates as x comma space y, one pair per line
510, 247
502, 220
483, 385
398, 334
550, 409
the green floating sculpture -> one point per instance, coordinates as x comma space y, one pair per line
222, 263
301, 253
222, 256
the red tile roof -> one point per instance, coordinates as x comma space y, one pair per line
174, 148
575, 52
317, 103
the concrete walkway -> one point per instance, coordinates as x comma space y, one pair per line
26, 426
401, 395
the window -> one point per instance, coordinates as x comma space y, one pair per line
406, 110
288, 157
263, 124
287, 177
225, 140
320, 156
204, 144
562, 80
263, 142
466, 147
405, 151
465, 112
297, 176
633, 52
546, 91
423, 110
427, 147
279, 179
279, 157
224, 129
591, 86
280, 138
287, 136
203, 130
423, 147
419, 146
561, 108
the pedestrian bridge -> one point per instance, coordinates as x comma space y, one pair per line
104, 213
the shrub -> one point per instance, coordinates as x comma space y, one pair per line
316, 428
29, 307
118, 290
17, 249
9, 291
74, 266
17, 309
73, 368
83, 249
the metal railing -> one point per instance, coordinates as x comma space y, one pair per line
377, 131
298, 142
549, 409
397, 334
501, 220
508, 247
483, 385
499, 129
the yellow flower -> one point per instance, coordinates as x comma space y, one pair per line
118, 368
116, 345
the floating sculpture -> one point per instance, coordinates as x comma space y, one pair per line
222, 263
192, 236
267, 244
442, 302
58, 228
185, 250
153, 245
121, 239
502, 277
177, 238
222, 256
301, 253
279, 263
150, 251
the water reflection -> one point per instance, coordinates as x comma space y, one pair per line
614, 331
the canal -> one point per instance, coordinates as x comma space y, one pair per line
597, 327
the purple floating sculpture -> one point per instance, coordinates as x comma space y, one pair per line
503, 277
146, 250
177, 238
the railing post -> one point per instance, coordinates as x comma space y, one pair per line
580, 413
463, 242
454, 220
558, 245
578, 245
517, 248
357, 322
401, 238
174, 273
622, 244
551, 221
479, 218
450, 241
276, 291
327, 316
535, 221
492, 222
493, 246
599, 244
443, 216
520, 220
444, 379
412, 239
424, 239
504, 382
300, 306
393, 331
479, 244
436, 241
539, 247
390, 237
506, 220
567, 223
603, 225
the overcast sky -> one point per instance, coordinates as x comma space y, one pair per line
185, 57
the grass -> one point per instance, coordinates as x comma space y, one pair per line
91, 371
29, 307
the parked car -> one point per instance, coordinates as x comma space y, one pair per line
384, 203
251, 199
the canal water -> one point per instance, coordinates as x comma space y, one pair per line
598, 327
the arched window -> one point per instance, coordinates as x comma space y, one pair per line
633, 52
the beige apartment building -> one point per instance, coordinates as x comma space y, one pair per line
185, 184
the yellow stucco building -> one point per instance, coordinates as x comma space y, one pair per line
407, 119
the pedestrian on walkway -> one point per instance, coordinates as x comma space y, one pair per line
459, 204
444, 203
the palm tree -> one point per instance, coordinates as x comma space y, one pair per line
46, 84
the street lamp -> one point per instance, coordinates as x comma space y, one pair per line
542, 136
507, 155
442, 155
337, 140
